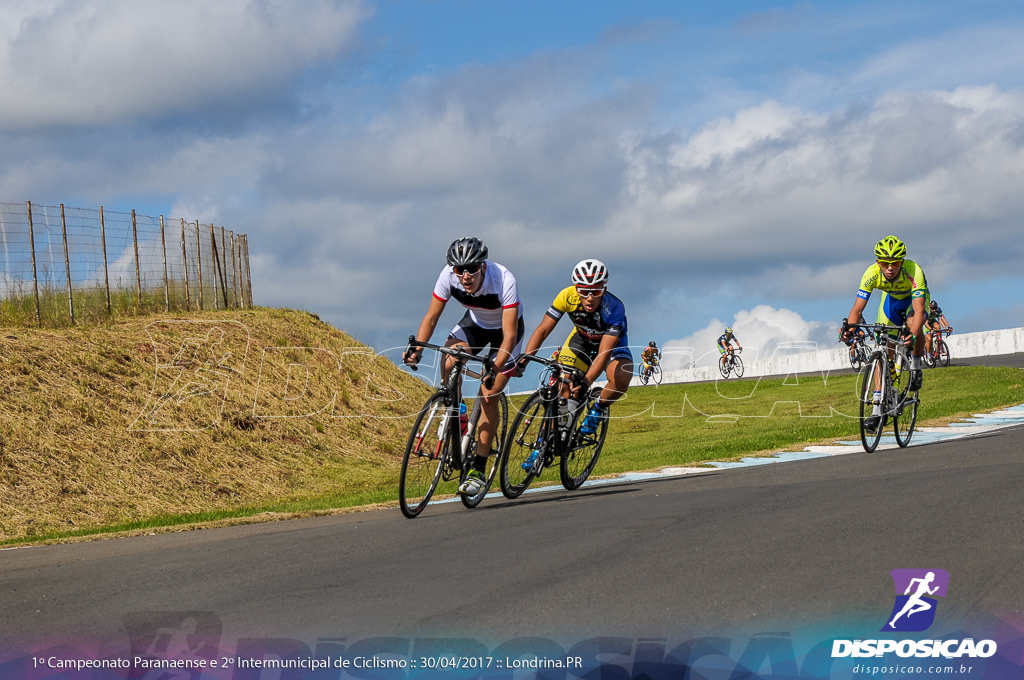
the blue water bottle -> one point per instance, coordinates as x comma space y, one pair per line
463, 417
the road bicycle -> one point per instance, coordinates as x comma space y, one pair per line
730, 363
650, 374
438, 449
858, 353
548, 425
939, 356
885, 381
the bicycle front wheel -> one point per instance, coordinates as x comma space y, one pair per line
494, 460
737, 365
528, 434
905, 419
873, 374
584, 449
904, 410
943, 355
857, 359
656, 375
645, 376
425, 452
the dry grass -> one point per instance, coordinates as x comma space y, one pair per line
267, 407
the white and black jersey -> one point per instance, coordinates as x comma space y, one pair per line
498, 292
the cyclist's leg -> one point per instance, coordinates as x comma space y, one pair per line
619, 372
489, 416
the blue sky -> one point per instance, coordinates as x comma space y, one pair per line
733, 163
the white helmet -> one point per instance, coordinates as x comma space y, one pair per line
589, 273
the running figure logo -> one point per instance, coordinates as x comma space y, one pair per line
914, 610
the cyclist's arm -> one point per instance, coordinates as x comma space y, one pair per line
857, 311
430, 319
943, 322
544, 328
916, 322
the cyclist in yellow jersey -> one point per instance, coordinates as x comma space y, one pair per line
650, 356
597, 341
904, 288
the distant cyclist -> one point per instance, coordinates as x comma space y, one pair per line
597, 341
725, 342
936, 322
650, 357
494, 317
904, 288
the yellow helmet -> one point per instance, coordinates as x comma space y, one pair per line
890, 248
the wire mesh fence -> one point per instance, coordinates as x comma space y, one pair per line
65, 265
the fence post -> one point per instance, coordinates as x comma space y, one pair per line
67, 263
184, 263
199, 263
248, 275
226, 273
224, 269
32, 246
138, 277
163, 246
236, 278
106, 273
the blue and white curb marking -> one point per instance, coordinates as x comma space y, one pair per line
977, 424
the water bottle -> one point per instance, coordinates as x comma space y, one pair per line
463, 418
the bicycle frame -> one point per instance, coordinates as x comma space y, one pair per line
533, 445
888, 368
426, 464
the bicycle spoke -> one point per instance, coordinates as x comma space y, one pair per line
579, 461
872, 375
525, 436
424, 456
494, 460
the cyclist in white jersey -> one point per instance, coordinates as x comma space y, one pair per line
494, 317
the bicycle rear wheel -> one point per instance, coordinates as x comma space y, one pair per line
737, 365
494, 460
874, 371
724, 366
584, 449
656, 375
429, 443
527, 434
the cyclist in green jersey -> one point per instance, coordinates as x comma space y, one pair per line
904, 288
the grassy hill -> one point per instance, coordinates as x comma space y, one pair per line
260, 414
266, 407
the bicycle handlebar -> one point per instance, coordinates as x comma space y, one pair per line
578, 376
456, 353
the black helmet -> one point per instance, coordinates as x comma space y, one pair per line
466, 251
652, 344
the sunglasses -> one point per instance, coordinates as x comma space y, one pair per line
466, 269
890, 263
590, 292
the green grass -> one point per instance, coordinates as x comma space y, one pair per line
71, 467
673, 425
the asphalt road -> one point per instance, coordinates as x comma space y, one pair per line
739, 552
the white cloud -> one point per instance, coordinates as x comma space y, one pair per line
761, 331
104, 61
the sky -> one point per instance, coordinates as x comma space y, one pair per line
732, 163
